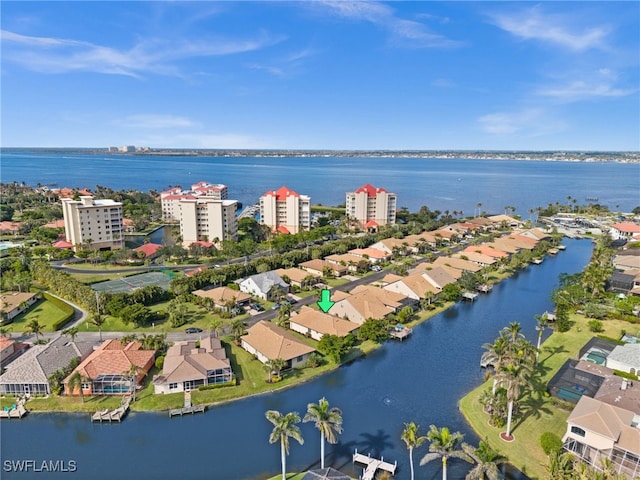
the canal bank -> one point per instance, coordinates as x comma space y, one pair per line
420, 379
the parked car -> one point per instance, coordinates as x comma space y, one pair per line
193, 330
291, 301
276, 306
376, 268
257, 307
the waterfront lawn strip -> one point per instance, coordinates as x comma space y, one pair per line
539, 414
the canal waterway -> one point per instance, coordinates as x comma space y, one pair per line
420, 380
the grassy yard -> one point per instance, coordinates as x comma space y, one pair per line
539, 414
44, 311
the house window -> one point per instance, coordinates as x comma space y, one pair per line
578, 431
299, 359
85, 386
173, 386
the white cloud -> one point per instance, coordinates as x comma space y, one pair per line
156, 121
533, 24
600, 83
404, 32
56, 55
527, 122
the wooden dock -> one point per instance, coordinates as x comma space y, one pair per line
486, 360
470, 296
400, 333
373, 465
188, 408
116, 415
16, 410
484, 288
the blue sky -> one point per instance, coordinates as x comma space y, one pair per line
322, 74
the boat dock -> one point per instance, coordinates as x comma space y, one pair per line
373, 465
400, 332
484, 288
116, 415
469, 296
188, 408
17, 410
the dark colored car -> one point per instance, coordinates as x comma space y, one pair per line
193, 330
257, 307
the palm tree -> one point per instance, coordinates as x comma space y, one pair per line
35, 327
5, 332
496, 355
515, 376
237, 329
284, 313
217, 324
411, 438
328, 420
72, 332
75, 381
133, 373
98, 321
284, 426
444, 444
486, 460
541, 323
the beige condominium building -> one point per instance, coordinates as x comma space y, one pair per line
371, 206
285, 211
170, 199
91, 223
207, 219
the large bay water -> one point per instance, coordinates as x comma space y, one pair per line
420, 379
441, 184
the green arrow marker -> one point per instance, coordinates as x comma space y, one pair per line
325, 302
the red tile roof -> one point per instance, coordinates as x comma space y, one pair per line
371, 224
283, 229
202, 243
148, 249
627, 227
370, 190
62, 244
282, 193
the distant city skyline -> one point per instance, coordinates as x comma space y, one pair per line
322, 75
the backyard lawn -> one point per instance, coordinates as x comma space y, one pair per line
539, 412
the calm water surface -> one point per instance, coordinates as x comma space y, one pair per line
442, 184
418, 380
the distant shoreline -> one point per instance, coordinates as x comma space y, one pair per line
547, 156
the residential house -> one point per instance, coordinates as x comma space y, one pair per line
107, 369
224, 297
148, 250
30, 372
505, 221
625, 281
457, 263
373, 255
266, 286
599, 434
625, 231
15, 303
298, 277
188, 366
439, 277
10, 350
317, 267
626, 262
486, 250
475, 257
316, 324
369, 302
393, 246
536, 234
352, 262
415, 286
268, 342
625, 358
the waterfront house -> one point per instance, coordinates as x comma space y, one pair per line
267, 342
148, 250
505, 221
30, 372
625, 231
224, 298
457, 264
486, 250
318, 267
298, 277
316, 324
188, 366
599, 433
266, 286
13, 304
369, 302
536, 234
475, 257
414, 286
107, 369
439, 277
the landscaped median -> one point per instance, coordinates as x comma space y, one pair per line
540, 413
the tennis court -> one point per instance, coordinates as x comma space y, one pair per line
134, 282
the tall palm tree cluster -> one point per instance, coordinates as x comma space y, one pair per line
445, 444
327, 419
513, 358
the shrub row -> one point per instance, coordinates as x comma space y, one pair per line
64, 306
231, 383
627, 375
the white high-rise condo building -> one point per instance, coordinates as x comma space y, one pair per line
94, 224
170, 199
207, 219
285, 211
371, 206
